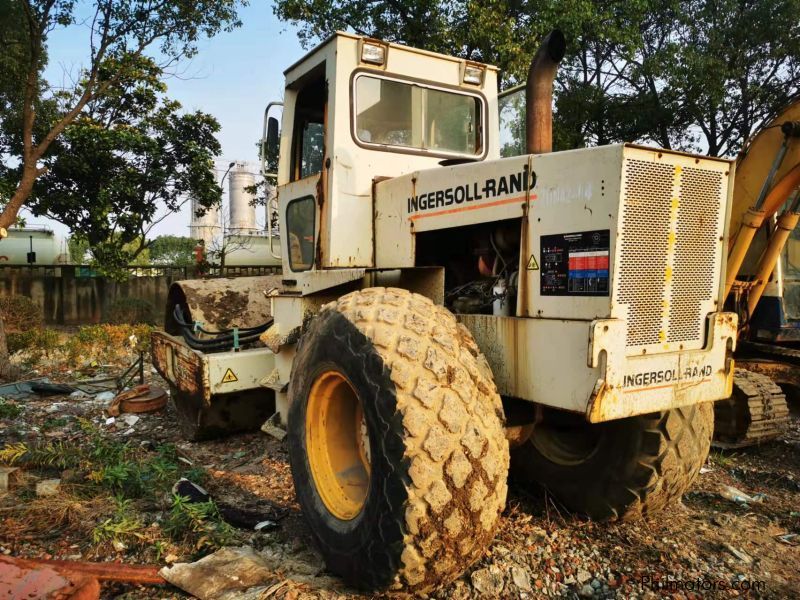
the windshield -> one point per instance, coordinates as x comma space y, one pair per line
410, 115
791, 276
512, 123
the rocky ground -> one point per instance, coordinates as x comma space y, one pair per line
709, 546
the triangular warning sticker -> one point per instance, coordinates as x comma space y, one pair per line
229, 377
532, 264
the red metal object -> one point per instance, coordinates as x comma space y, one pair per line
141, 399
35, 579
34, 582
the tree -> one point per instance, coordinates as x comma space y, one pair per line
120, 31
172, 250
504, 32
78, 248
131, 159
696, 75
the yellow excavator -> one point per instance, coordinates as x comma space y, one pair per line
762, 284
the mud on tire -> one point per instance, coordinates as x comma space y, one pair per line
438, 457
636, 466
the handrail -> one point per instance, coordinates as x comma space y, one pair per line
264, 174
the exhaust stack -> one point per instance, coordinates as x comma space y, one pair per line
539, 93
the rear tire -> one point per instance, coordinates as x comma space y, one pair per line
623, 469
432, 443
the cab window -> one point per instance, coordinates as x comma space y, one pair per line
391, 112
300, 225
309, 129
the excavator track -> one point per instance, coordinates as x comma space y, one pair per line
756, 412
756, 350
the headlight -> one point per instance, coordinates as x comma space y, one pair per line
473, 74
374, 54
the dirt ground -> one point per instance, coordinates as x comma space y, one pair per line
708, 546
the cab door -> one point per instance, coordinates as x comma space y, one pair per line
301, 198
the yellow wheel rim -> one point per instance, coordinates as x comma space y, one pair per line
338, 445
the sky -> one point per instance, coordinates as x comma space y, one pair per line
233, 77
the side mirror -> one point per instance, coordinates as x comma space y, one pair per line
273, 138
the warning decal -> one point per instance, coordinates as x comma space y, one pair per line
575, 264
532, 264
229, 377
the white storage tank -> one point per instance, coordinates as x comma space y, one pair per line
247, 250
48, 249
206, 227
242, 212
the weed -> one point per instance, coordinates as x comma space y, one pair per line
59, 455
126, 473
723, 460
9, 409
54, 423
20, 313
122, 527
200, 520
130, 310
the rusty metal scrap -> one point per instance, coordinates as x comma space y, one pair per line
141, 399
21, 578
109, 571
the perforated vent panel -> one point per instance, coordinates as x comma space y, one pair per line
643, 256
668, 251
696, 240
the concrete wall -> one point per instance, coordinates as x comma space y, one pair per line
67, 298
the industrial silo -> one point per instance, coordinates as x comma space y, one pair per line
206, 227
242, 211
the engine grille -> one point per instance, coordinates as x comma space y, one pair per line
668, 251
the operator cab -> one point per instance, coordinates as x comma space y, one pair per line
359, 111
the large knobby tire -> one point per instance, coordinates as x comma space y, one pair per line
623, 469
431, 428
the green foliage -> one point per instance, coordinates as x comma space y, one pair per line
130, 311
106, 343
198, 520
172, 250
34, 117
123, 526
54, 423
58, 455
78, 247
134, 156
129, 474
38, 342
19, 313
697, 75
9, 409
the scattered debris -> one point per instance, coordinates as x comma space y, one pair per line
191, 491
741, 555
48, 487
736, 495
227, 570
237, 516
8, 477
104, 396
521, 578
141, 574
488, 581
272, 426
141, 399
24, 581
265, 525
